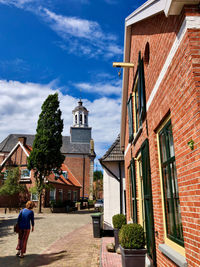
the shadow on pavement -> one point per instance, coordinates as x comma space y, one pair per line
7, 226
32, 260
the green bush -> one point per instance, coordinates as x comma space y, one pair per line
131, 236
118, 220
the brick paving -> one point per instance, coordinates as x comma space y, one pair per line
109, 259
60, 240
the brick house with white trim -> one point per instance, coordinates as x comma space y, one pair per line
160, 128
78, 149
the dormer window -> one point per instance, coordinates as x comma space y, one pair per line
65, 174
25, 174
56, 174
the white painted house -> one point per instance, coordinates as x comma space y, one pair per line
113, 183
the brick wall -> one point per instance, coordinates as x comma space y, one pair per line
76, 165
179, 95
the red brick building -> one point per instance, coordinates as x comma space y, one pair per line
160, 128
78, 165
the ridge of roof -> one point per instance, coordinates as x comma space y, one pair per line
116, 156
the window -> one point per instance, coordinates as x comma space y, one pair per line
52, 194
141, 194
65, 175
75, 196
76, 119
56, 174
5, 174
25, 174
130, 118
85, 119
81, 119
34, 197
69, 195
60, 194
139, 95
132, 191
170, 185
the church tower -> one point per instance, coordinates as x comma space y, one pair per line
80, 115
80, 136
80, 131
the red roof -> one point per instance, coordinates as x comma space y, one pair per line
71, 180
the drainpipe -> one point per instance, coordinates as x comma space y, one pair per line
121, 189
83, 176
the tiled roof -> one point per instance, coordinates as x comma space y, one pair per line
67, 148
113, 153
71, 180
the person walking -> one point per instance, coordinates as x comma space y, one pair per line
26, 216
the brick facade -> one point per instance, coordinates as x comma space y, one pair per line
178, 96
19, 158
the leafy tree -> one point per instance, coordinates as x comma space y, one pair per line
11, 185
45, 155
98, 175
98, 184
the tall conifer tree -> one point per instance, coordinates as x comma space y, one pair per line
46, 155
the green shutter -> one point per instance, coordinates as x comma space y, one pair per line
133, 181
130, 118
148, 204
141, 89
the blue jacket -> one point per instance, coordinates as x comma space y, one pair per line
25, 217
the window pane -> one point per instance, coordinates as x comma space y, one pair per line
168, 201
171, 143
25, 173
177, 209
53, 194
163, 147
170, 184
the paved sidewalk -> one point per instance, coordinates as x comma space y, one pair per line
58, 240
109, 259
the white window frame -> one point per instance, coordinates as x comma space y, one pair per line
34, 194
65, 174
5, 176
25, 177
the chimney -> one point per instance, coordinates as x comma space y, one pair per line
22, 140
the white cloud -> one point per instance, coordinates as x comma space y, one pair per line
94, 41
111, 88
21, 105
17, 3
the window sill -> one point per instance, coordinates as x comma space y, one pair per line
137, 135
173, 255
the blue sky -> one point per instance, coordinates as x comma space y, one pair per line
66, 46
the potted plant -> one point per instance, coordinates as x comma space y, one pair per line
132, 243
118, 220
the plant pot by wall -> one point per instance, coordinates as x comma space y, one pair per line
133, 257
116, 236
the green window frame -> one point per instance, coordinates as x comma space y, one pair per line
139, 95
173, 221
130, 118
133, 197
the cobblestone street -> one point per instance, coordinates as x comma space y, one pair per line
58, 240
